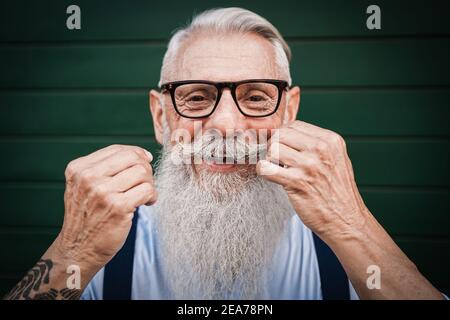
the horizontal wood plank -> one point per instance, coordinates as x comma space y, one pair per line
349, 112
392, 62
117, 20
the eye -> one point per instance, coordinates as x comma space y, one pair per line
196, 98
256, 98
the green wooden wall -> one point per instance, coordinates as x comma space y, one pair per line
64, 94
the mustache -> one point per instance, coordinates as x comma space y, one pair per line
237, 149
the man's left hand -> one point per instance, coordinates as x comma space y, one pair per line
317, 175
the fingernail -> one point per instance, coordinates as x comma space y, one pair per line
264, 164
148, 155
267, 168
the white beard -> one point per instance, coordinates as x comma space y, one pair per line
218, 231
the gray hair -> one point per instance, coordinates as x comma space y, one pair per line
226, 20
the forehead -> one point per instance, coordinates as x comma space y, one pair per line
228, 57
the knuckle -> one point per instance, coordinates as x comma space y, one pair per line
142, 169
116, 146
101, 194
128, 154
321, 147
116, 205
139, 151
150, 191
86, 178
144, 154
336, 138
310, 165
136, 154
147, 187
70, 170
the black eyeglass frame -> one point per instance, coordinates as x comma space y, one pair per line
172, 86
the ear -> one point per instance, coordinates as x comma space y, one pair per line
156, 109
292, 105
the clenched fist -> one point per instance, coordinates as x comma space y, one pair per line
102, 192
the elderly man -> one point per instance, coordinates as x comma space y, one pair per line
217, 225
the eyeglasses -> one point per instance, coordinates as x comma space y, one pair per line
198, 98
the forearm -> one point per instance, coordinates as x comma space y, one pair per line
51, 279
400, 279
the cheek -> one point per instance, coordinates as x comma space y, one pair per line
265, 126
185, 128
272, 122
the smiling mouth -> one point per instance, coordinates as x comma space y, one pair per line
220, 167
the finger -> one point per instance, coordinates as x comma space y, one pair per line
90, 160
327, 136
145, 193
103, 153
315, 139
284, 155
308, 128
120, 161
294, 139
131, 177
81, 163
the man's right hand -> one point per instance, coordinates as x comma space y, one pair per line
103, 189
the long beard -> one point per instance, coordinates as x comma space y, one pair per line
218, 230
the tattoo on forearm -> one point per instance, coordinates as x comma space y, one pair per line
29, 287
63, 294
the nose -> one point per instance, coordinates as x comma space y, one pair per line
226, 116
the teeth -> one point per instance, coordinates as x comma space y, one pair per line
223, 160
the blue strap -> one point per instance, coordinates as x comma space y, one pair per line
333, 278
119, 271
